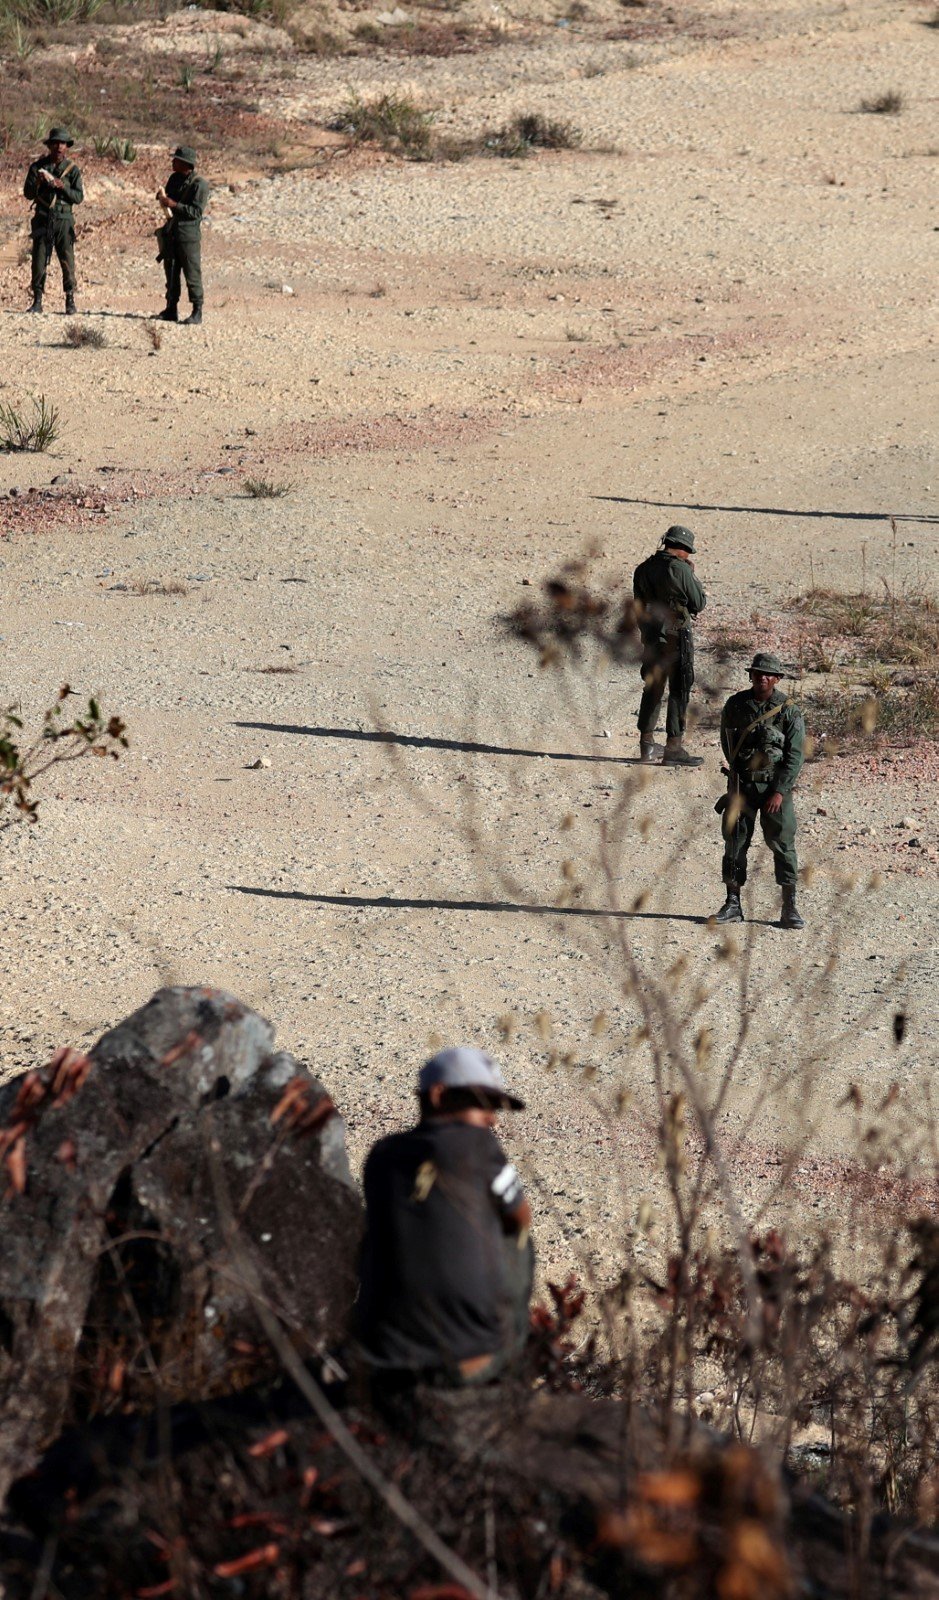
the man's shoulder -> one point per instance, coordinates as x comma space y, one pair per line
739, 702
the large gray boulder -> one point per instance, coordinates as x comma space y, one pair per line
141, 1182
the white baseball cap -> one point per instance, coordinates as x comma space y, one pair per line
463, 1067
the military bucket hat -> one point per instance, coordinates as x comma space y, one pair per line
185, 152
679, 537
59, 136
765, 661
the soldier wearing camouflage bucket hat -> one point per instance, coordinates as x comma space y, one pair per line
668, 597
763, 740
54, 185
184, 198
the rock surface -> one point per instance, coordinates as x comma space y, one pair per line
137, 1178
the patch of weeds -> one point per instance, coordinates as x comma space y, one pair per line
576, 335
532, 131
902, 714
898, 628
316, 40
157, 586
276, 671
393, 121
187, 76
35, 430
266, 489
368, 33
888, 104
155, 335
81, 336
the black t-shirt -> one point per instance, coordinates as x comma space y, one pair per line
441, 1279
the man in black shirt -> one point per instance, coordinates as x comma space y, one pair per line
447, 1259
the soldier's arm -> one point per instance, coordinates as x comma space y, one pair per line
72, 190
193, 209
725, 733
31, 186
695, 598
794, 755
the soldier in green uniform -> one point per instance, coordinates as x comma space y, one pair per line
54, 185
184, 198
763, 740
669, 596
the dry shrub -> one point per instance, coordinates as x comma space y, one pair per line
888, 104
532, 131
83, 336
393, 121
157, 586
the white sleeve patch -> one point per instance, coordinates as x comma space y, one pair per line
506, 1184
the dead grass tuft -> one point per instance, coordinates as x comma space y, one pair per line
266, 489
145, 587
532, 131
81, 336
888, 104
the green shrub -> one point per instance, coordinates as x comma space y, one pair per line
22, 431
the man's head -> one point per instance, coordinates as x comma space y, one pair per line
466, 1085
184, 158
679, 541
58, 142
765, 672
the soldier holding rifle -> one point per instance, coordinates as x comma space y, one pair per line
54, 185
763, 740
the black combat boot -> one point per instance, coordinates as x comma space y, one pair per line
37, 304
70, 305
677, 756
168, 314
647, 752
790, 917
731, 910
195, 317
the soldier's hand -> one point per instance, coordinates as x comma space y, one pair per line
773, 804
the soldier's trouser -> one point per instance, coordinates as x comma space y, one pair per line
62, 242
183, 261
779, 831
660, 669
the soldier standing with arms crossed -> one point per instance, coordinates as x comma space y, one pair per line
184, 198
763, 740
669, 598
54, 185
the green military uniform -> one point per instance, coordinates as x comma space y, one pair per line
53, 224
180, 238
669, 597
764, 745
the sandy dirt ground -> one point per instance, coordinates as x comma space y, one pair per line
720, 310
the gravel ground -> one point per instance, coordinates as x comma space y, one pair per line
481, 369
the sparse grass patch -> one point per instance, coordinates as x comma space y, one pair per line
888, 104
266, 489
82, 335
576, 335
154, 335
157, 586
276, 671
393, 121
33, 430
895, 628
